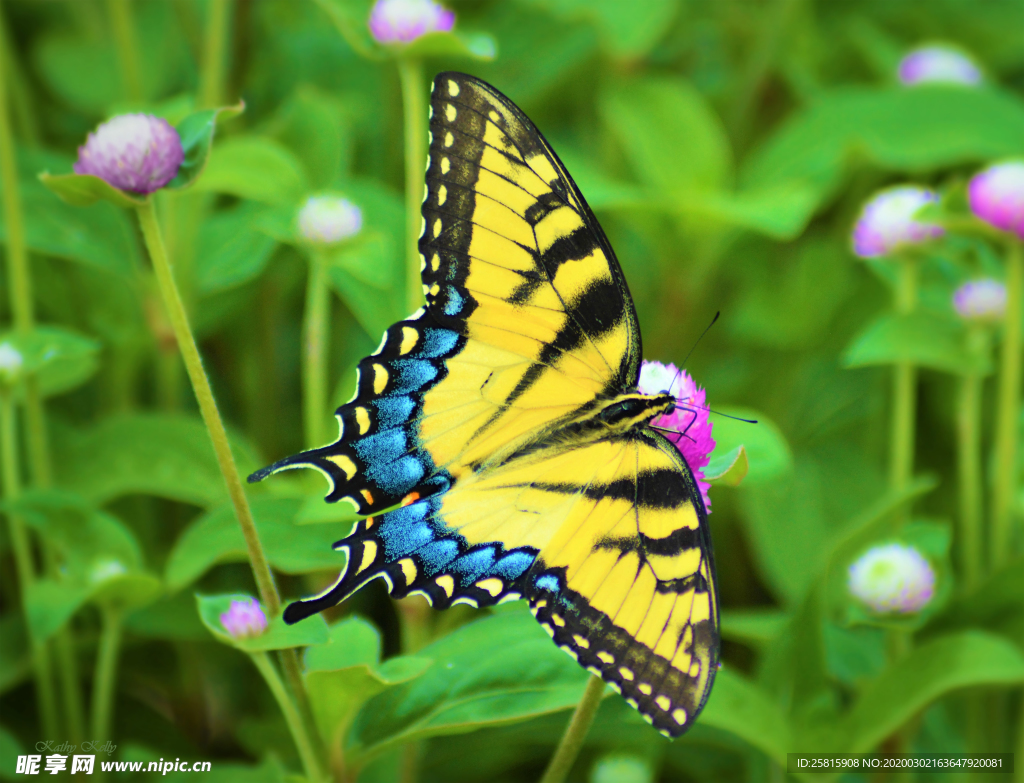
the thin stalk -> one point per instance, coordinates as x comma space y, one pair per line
1008, 410
67, 670
207, 404
315, 335
575, 733
23, 562
105, 676
904, 404
303, 743
215, 426
211, 78
410, 70
17, 255
127, 46
21, 100
969, 468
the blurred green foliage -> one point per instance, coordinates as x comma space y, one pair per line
726, 147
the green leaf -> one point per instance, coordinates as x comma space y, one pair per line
255, 168
766, 448
315, 511
278, 636
728, 469
10, 749
170, 617
167, 455
896, 129
350, 18
650, 117
779, 211
352, 642
754, 626
216, 537
59, 358
49, 604
928, 672
82, 190
922, 338
742, 708
312, 123
231, 250
196, 133
475, 46
627, 30
15, 655
497, 670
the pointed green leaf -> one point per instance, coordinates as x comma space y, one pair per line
231, 249
962, 660
196, 133
500, 669
765, 446
82, 190
278, 636
50, 604
922, 338
742, 708
255, 168
58, 357
728, 469
352, 642
216, 537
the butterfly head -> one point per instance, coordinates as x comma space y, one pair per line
627, 410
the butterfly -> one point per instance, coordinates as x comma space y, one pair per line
497, 446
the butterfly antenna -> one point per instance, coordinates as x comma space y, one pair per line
679, 371
693, 409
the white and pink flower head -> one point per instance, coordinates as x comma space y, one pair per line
688, 426
996, 195
403, 21
938, 64
138, 153
244, 619
887, 221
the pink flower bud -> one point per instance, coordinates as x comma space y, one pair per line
244, 619
329, 219
980, 300
139, 153
892, 578
938, 64
402, 21
887, 221
996, 195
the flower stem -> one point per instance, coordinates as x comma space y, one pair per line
23, 562
315, 335
303, 743
969, 466
120, 12
105, 676
575, 733
211, 80
904, 403
1008, 410
410, 70
207, 405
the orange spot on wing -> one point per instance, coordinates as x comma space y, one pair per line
367, 496
412, 497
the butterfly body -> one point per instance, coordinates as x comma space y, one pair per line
497, 444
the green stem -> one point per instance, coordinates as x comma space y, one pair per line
969, 468
315, 335
17, 255
211, 79
410, 70
105, 676
904, 402
207, 405
23, 561
1008, 410
120, 12
21, 100
303, 743
575, 733
67, 669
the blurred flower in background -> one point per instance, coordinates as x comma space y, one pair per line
139, 153
689, 422
244, 619
402, 21
329, 219
980, 300
887, 221
942, 64
996, 195
10, 364
892, 578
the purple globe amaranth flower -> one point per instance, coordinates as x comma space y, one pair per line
980, 300
887, 221
942, 64
689, 423
892, 578
139, 153
996, 195
402, 21
329, 219
244, 619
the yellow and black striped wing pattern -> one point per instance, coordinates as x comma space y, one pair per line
496, 443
